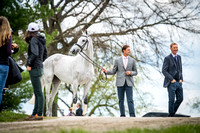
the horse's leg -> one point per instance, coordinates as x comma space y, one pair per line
55, 83
86, 90
47, 79
47, 89
74, 88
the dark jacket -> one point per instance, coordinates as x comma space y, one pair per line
169, 69
79, 112
5, 51
37, 52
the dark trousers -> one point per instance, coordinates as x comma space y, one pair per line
35, 75
129, 96
174, 90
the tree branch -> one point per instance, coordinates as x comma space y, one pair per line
96, 15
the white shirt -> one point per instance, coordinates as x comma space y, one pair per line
174, 55
125, 61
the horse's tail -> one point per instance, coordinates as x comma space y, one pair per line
32, 100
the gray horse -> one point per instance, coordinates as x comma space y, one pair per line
73, 70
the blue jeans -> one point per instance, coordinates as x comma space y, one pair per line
174, 90
129, 96
4, 69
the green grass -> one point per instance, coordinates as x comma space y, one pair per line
8, 116
72, 131
176, 129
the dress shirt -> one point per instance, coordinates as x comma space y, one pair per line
125, 60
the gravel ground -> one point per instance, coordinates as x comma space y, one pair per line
95, 124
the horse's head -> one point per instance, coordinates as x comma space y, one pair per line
81, 45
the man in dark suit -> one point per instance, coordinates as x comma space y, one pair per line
79, 111
172, 70
125, 67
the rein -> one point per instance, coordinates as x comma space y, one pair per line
86, 57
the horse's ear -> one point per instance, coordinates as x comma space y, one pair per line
84, 32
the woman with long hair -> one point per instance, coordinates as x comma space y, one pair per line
5, 51
37, 53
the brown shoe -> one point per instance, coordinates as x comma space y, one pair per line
38, 117
33, 118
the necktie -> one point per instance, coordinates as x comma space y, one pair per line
175, 57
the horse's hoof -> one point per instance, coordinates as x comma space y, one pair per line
47, 114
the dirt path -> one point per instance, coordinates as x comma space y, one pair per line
99, 124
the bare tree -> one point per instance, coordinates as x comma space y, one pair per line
144, 24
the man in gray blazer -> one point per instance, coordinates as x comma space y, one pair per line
125, 68
172, 70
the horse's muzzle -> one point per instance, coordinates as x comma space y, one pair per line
75, 51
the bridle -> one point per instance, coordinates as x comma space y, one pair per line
85, 43
86, 57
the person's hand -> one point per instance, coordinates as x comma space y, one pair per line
104, 70
28, 68
14, 45
173, 81
128, 73
181, 81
